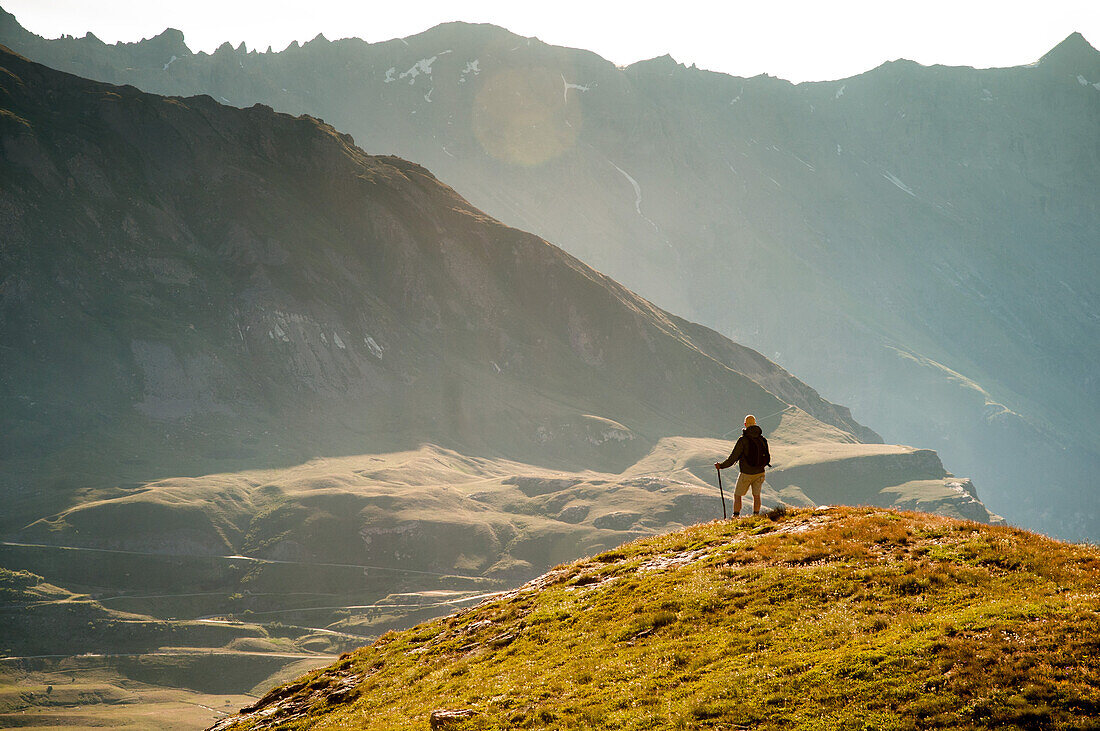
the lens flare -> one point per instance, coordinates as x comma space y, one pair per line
526, 116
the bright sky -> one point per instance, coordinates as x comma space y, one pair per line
794, 39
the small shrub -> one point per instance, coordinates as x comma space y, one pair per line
662, 618
713, 709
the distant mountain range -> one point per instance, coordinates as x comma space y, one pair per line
918, 242
191, 288
242, 361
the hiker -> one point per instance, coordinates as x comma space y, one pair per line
751, 454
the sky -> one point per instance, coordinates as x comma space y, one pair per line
799, 40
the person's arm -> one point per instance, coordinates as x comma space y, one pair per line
738, 450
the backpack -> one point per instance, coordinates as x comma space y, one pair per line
756, 452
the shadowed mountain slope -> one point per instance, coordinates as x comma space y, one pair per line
71, 661
246, 367
814, 619
192, 288
189, 285
915, 241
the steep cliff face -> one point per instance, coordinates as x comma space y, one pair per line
914, 241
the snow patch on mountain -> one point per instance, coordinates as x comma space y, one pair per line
893, 179
472, 67
568, 86
637, 194
423, 67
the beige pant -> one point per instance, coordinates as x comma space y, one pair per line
744, 482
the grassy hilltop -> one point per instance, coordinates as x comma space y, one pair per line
838, 618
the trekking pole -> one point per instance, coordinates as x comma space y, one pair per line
721, 492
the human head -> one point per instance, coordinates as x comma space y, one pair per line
750, 420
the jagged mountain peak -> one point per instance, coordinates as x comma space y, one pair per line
1075, 53
663, 61
174, 35
459, 35
9, 21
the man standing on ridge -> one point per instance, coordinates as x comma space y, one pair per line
751, 454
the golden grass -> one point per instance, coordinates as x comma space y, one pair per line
847, 618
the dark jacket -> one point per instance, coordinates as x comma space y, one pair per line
740, 452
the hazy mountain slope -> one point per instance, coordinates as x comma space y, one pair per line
83, 695
189, 285
368, 543
817, 619
74, 661
193, 289
436, 512
919, 241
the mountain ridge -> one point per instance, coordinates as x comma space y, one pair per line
897, 250
414, 172
193, 291
1073, 46
210, 336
